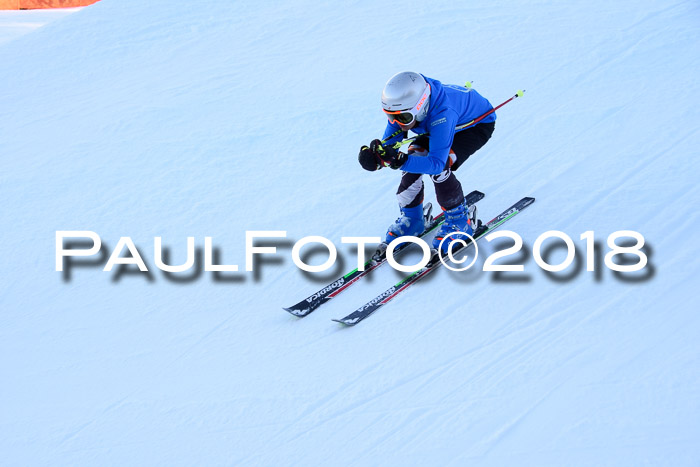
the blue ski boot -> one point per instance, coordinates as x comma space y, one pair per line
411, 222
459, 219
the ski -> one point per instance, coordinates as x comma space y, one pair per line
382, 299
315, 300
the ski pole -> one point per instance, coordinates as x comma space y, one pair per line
457, 128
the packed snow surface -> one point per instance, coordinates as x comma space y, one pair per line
211, 118
16, 23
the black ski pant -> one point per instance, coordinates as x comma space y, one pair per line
448, 190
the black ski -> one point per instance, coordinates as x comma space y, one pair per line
312, 302
382, 299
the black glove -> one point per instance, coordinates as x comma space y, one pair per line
389, 157
368, 159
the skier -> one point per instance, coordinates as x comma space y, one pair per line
414, 102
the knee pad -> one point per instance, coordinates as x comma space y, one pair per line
451, 159
417, 150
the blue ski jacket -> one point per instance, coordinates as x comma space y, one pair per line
450, 105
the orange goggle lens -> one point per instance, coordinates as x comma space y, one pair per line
400, 116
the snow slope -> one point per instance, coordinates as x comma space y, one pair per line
161, 118
16, 23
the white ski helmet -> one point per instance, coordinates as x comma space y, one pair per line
406, 97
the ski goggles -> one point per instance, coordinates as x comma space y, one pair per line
406, 117
402, 117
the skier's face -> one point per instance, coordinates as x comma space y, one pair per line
407, 127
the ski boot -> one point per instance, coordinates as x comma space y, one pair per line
460, 219
412, 222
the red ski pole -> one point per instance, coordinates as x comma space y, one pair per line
458, 127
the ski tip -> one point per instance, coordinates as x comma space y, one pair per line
297, 313
343, 322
